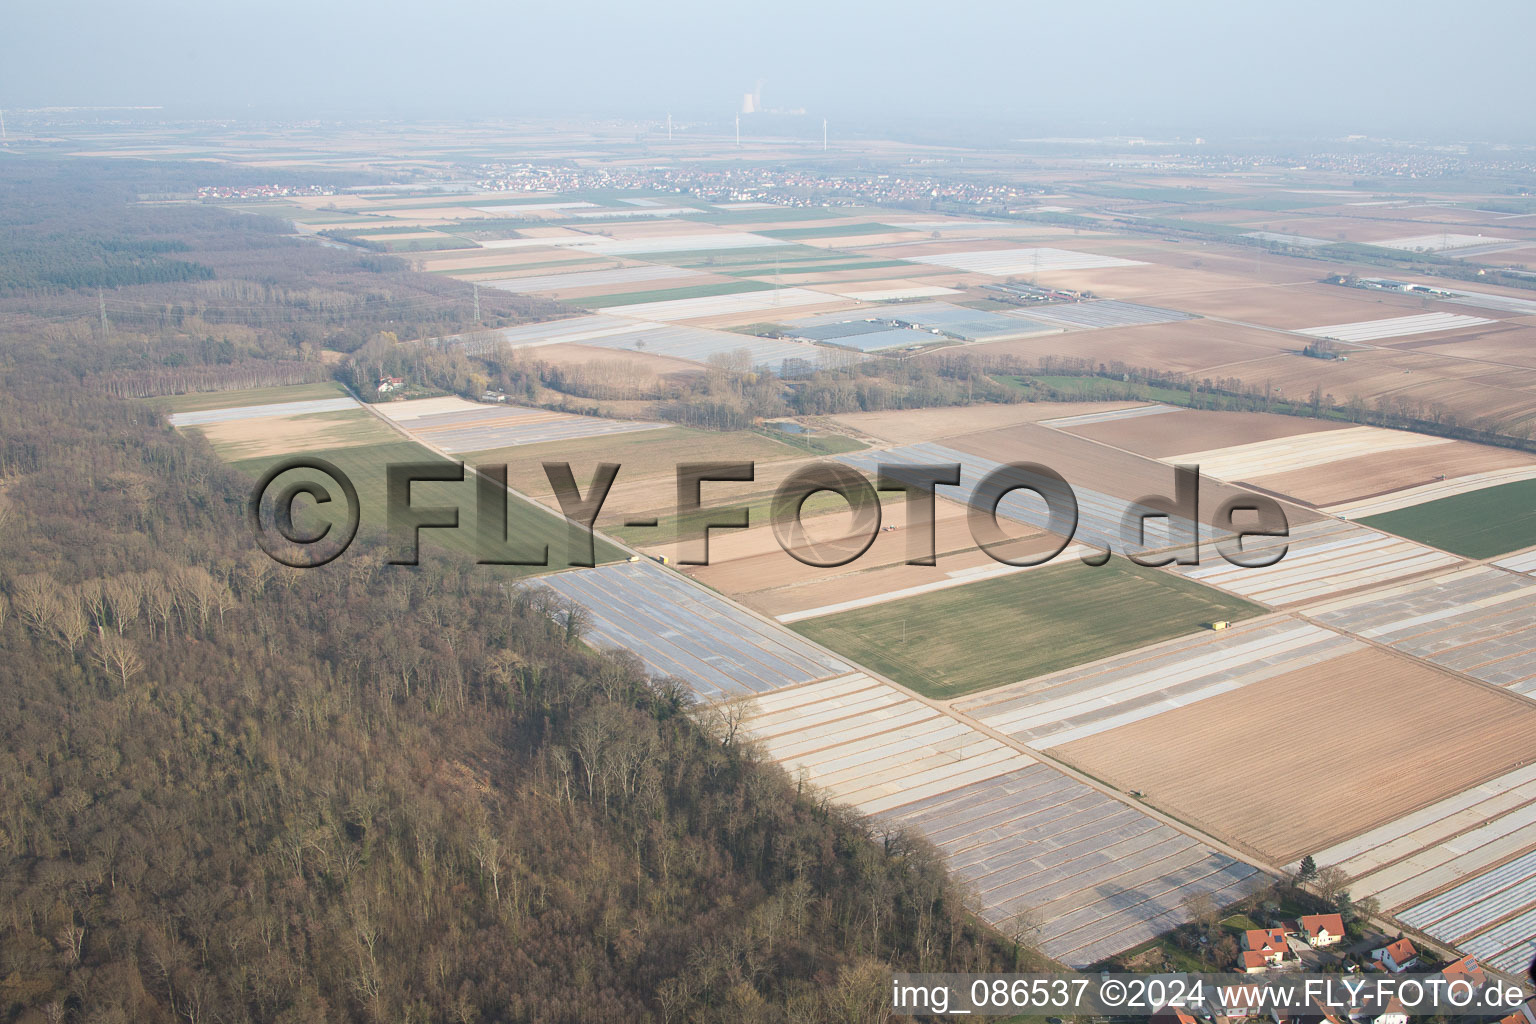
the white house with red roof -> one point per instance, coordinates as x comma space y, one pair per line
1396, 957
1263, 948
1321, 930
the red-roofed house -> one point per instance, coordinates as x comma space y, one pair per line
1173, 1015
1250, 962
1263, 948
1322, 929
1466, 969
1525, 1015
1397, 957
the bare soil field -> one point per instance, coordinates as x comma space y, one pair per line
1188, 345
648, 459
1369, 475
884, 580
1190, 430
649, 487
1367, 373
1341, 229
1450, 342
643, 367
280, 435
1486, 402
915, 426
1297, 306
1296, 763
1520, 257
1220, 262
1090, 466
745, 562
743, 545
1513, 343
1156, 283
935, 246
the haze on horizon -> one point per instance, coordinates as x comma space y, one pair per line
1409, 70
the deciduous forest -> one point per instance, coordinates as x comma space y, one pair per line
231, 791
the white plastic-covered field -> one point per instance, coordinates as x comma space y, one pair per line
722, 305
253, 412
1492, 300
1300, 451
1524, 562
872, 746
1395, 327
1322, 558
1104, 313
1096, 875
678, 628
471, 427
1463, 870
1065, 706
695, 344
1003, 262
1441, 242
1478, 621
1431, 492
1135, 412
591, 279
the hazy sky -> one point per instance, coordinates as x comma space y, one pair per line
1215, 69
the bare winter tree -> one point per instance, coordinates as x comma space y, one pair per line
116, 654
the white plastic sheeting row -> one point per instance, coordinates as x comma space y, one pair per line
1099, 875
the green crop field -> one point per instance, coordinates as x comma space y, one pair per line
1477, 524
367, 467
953, 642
